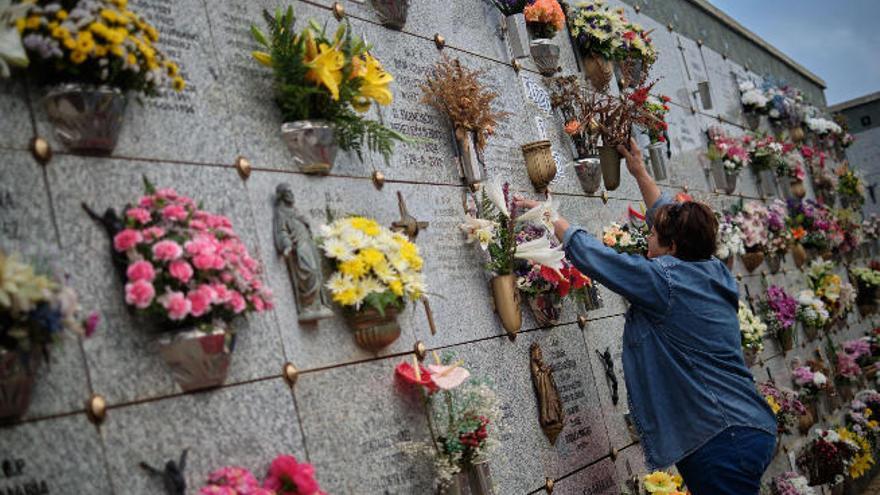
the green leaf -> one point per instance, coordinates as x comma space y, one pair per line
149, 188
259, 36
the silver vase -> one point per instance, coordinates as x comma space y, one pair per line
719, 174
656, 153
517, 35
86, 118
589, 173
628, 72
198, 359
471, 166
312, 144
545, 53
609, 159
392, 13
17, 374
767, 181
472, 480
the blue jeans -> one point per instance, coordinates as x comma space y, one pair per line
731, 463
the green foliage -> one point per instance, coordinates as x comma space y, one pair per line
501, 251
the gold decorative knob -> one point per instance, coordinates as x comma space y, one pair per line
421, 350
516, 65
290, 374
96, 409
243, 166
41, 150
548, 485
582, 321
439, 41
378, 179
605, 197
338, 11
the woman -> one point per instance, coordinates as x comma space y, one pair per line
691, 396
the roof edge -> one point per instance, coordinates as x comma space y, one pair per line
739, 28
861, 100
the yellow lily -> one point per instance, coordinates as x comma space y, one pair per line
375, 85
325, 64
262, 57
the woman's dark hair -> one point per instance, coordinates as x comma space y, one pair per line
691, 226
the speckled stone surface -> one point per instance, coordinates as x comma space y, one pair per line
245, 425
597, 479
16, 128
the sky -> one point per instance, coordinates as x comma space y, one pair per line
839, 41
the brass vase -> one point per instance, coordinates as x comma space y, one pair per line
786, 338
598, 71
799, 254
752, 260
797, 189
17, 374
198, 358
539, 164
797, 134
506, 298
609, 159
473, 479
373, 331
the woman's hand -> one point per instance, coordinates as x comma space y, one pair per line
526, 204
633, 155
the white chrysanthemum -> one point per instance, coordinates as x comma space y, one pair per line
336, 249
819, 379
339, 283
371, 285
354, 239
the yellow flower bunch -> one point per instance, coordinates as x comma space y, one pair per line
661, 482
100, 42
373, 265
863, 459
21, 289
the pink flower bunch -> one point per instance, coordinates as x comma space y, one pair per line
783, 306
846, 366
779, 236
233, 481
288, 477
857, 348
732, 151
186, 263
802, 375
753, 220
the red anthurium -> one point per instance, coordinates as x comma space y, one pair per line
406, 372
635, 214
578, 279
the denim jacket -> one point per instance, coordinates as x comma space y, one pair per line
682, 359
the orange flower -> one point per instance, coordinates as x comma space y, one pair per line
545, 12
572, 127
798, 233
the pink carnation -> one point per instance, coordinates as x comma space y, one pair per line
181, 270
174, 212
140, 270
237, 302
285, 471
153, 233
139, 215
177, 305
139, 294
127, 239
146, 202
208, 262
166, 193
259, 304
201, 299
223, 295
167, 250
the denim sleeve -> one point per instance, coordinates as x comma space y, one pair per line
641, 281
663, 200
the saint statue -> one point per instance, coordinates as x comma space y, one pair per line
551, 416
293, 240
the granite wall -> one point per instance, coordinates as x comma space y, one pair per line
344, 413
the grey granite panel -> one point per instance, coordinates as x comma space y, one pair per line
603, 334
194, 125
598, 479
61, 455
354, 419
223, 428
16, 128
630, 465
723, 86
123, 361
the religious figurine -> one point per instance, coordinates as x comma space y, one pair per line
112, 224
551, 416
172, 476
293, 240
608, 363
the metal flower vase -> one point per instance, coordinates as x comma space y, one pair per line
628, 72
473, 479
786, 338
589, 173
546, 308
811, 332
505, 297
539, 164
598, 71
724, 179
752, 260
86, 118
471, 166
609, 159
372, 330
545, 53
774, 262
392, 13
17, 375
798, 190
767, 180
593, 299
517, 35
657, 154
312, 144
198, 358
799, 254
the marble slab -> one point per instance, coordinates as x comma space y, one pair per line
603, 334
597, 479
16, 128
630, 465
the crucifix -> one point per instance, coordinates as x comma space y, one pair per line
410, 227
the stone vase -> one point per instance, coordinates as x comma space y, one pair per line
752, 260
657, 155
609, 159
799, 254
506, 299
546, 308
86, 118
17, 375
198, 359
589, 173
545, 53
540, 164
598, 71
470, 163
312, 144
517, 35
372, 330
474, 479
786, 338
797, 134
767, 181
774, 262
392, 13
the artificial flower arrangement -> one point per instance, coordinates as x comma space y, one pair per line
493, 225
850, 187
463, 413
730, 239
791, 172
861, 420
822, 127
752, 217
189, 274
850, 222
286, 476
871, 228
827, 457
36, 312
324, 84
790, 483
810, 383
824, 179
847, 372
752, 331
779, 236
376, 272
779, 311
864, 457
89, 55
867, 281
546, 288
766, 154
785, 405
657, 108
663, 483
753, 99
812, 313
544, 18
820, 232
630, 237
728, 156
828, 287
457, 92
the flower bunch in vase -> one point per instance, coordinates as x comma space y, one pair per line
663, 483
753, 218
463, 412
36, 312
286, 476
779, 311
188, 274
849, 222
867, 281
376, 272
864, 457
862, 421
812, 313
766, 153
752, 331
89, 55
871, 229
544, 18
847, 371
753, 99
790, 483
826, 458
626, 238
728, 156
850, 187
779, 236
785, 405
324, 84
657, 108
822, 127
730, 239
821, 232
810, 383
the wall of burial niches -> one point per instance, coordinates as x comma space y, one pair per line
344, 414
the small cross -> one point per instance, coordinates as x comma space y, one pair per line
407, 223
